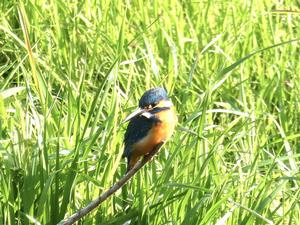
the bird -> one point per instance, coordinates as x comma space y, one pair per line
150, 125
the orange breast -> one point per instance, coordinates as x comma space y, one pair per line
159, 133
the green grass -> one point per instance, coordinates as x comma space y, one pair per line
70, 72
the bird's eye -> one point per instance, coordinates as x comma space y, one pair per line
155, 104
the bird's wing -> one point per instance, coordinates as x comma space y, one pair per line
137, 129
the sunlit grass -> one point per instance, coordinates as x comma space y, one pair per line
71, 72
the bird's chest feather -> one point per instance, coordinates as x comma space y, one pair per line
160, 132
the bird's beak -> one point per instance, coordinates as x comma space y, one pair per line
137, 112
145, 112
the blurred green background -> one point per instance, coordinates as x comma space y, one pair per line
70, 71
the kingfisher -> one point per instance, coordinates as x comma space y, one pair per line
150, 125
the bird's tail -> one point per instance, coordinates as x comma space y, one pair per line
131, 161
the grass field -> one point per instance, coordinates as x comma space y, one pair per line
71, 71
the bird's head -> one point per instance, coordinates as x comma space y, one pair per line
151, 99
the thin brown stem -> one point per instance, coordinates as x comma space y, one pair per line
95, 203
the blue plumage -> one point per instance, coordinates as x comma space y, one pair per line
152, 97
137, 129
